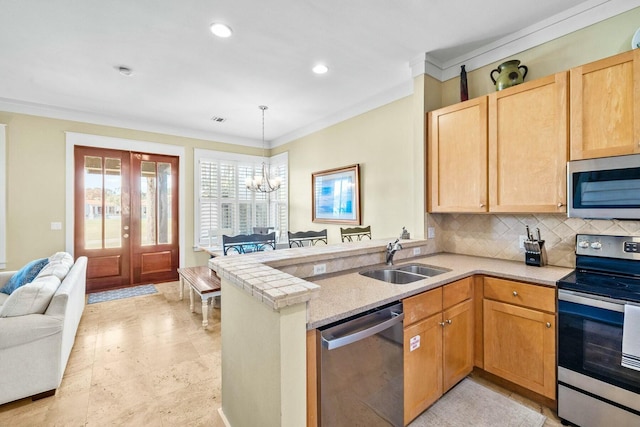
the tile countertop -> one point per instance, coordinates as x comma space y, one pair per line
344, 295
341, 294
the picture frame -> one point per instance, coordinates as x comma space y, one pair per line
335, 195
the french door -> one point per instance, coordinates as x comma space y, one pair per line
126, 217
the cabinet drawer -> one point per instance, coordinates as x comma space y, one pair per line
456, 292
524, 294
421, 306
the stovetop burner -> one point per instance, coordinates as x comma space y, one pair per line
608, 266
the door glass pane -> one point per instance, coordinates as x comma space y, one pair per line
164, 203
92, 202
112, 203
148, 203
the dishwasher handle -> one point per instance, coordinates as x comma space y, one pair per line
393, 319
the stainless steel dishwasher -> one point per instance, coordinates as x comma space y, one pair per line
361, 370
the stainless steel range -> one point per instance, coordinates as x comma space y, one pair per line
594, 388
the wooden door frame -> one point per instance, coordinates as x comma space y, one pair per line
99, 141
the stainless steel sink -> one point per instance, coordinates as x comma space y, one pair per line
404, 274
421, 269
396, 277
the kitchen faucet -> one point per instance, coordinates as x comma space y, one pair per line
391, 250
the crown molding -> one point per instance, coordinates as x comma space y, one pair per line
400, 91
55, 112
576, 18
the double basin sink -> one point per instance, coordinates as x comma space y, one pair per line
403, 274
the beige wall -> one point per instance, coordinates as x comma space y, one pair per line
382, 142
36, 182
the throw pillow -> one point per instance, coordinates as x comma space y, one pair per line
32, 298
25, 275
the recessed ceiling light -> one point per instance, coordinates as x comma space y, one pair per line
320, 69
221, 30
125, 71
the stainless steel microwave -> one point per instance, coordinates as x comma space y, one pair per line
603, 188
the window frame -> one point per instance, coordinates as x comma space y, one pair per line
276, 202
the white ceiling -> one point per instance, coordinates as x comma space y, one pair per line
58, 57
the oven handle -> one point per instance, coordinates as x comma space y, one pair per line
591, 300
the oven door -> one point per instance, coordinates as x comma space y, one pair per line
590, 339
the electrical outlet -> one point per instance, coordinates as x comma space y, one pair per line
431, 232
521, 239
56, 226
319, 269
416, 251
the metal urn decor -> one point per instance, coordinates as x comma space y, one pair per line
509, 74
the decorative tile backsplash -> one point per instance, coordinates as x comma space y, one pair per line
497, 235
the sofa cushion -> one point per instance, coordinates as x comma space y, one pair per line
32, 298
25, 275
3, 298
59, 265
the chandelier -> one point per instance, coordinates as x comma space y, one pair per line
263, 183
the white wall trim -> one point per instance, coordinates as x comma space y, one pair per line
3, 196
55, 112
576, 18
73, 139
383, 98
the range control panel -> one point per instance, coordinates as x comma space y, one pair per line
624, 247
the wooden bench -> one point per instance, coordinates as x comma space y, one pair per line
203, 281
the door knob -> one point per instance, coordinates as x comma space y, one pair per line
126, 235
126, 227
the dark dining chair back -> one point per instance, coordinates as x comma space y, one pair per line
307, 238
247, 243
355, 233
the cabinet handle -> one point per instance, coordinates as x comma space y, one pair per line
548, 324
449, 321
515, 294
441, 324
560, 204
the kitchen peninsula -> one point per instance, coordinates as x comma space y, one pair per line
271, 299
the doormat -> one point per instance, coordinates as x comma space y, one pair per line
134, 291
471, 404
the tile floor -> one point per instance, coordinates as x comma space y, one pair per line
144, 361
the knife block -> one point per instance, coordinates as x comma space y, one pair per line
536, 255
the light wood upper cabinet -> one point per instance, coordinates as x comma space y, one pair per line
457, 157
528, 146
605, 107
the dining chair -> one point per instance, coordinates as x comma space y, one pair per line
247, 243
357, 233
309, 237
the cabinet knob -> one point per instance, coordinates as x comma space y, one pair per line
560, 204
515, 294
441, 323
482, 205
548, 324
449, 321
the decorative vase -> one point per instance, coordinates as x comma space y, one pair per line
509, 74
464, 89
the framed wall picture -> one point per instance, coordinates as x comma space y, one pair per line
336, 195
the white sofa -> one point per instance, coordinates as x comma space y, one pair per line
35, 348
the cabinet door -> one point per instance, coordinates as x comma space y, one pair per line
457, 157
528, 146
457, 343
422, 366
605, 107
519, 346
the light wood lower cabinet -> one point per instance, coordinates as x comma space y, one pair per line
520, 341
438, 350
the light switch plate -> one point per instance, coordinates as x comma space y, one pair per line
431, 232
